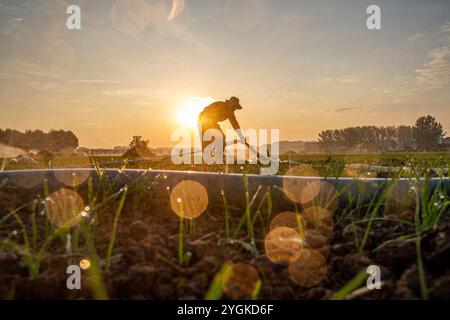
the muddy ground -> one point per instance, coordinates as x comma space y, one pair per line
145, 259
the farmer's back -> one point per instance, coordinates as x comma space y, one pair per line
217, 112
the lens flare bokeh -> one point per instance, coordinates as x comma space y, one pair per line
240, 281
130, 16
319, 219
281, 244
307, 268
27, 180
85, 264
321, 194
64, 208
72, 179
189, 199
317, 241
171, 17
291, 220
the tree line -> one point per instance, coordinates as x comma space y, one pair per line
425, 135
53, 141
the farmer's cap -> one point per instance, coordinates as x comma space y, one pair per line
235, 102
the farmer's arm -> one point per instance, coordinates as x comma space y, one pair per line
236, 127
234, 122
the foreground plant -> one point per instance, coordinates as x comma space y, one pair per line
351, 286
30, 250
115, 226
215, 290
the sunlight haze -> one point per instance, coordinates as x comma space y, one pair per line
299, 66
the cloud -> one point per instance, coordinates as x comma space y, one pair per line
136, 96
417, 37
14, 22
126, 93
345, 79
96, 81
42, 85
435, 73
445, 28
343, 110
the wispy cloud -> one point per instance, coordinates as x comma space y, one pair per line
446, 28
14, 22
135, 96
126, 93
435, 73
42, 85
343, 110
96, 81
345, 79
417, 37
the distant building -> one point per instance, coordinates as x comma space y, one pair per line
446, 144
115, 152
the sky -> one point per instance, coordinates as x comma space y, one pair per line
300, 66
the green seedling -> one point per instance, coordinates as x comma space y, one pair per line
352, 285
31, 254
96, 282
246, 218
257, 290
184, 258
227, 218
115, 226
420, 266
215, 290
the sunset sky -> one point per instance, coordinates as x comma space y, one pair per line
297, 65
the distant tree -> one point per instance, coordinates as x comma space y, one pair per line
427, 133
137, 141
327, 140
138, 148
53, 142
60, 139
405, 138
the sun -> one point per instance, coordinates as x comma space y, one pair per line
189, 109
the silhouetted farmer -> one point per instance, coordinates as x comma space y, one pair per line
217, 112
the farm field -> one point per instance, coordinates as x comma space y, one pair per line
343, 165
160, 235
